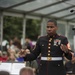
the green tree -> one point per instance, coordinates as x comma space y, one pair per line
12, 26
32, 29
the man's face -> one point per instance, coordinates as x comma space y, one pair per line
26, 73
51, 28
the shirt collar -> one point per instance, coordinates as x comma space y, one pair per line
52, 36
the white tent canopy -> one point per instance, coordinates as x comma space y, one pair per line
58, 9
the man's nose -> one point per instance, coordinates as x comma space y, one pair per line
49, 28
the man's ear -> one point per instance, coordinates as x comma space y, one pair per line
56, 28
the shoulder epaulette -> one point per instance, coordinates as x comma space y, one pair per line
61, 35
43, 36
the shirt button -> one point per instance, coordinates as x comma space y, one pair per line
48, 47
49, 44
50, 39
48, 50
48, 54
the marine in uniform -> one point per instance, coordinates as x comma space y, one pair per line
52, 48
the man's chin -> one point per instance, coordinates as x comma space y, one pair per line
50, 34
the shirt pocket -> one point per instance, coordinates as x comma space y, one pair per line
44, 48
43, 45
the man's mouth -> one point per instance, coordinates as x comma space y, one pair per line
49, 31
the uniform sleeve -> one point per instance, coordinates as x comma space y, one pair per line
33, 55
68, 55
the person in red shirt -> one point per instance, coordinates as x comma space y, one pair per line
0, 55
4, 56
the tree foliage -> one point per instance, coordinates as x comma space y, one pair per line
13, 26
32, 29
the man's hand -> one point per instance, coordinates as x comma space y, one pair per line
73, 60
73, 57
23, 53
64, 48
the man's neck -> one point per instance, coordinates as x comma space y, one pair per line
53, 35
